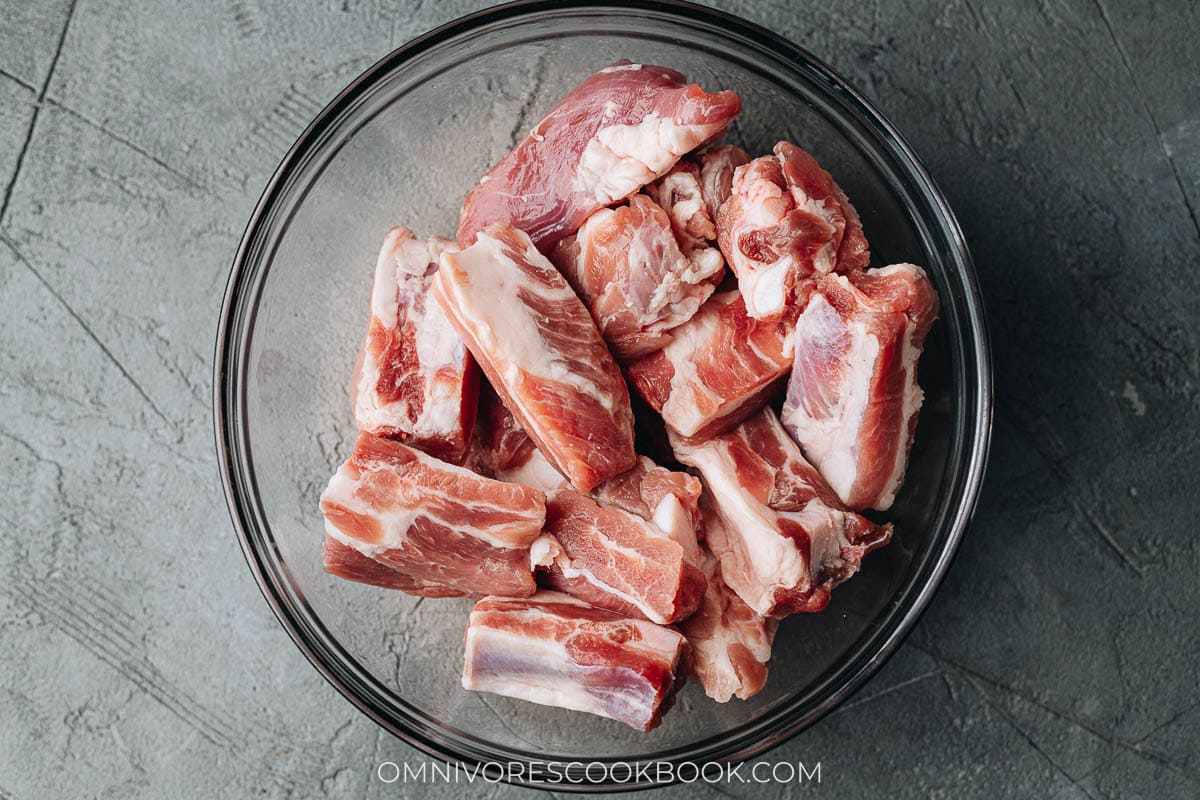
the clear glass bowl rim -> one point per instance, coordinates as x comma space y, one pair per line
337, 667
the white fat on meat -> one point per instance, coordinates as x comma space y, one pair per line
551, 685
764, 285
535, 471
677, 524
543, 551
619, 159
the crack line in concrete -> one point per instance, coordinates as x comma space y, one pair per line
62, 38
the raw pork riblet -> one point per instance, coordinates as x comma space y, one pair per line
719, 368
434, 521
717, 167
627, 267
612, 134
786, 541
415, 381
613, 559
630, 546
666, 498
853, 397
542, 353
784, 221
658, 495
681, 196
693, 191
346, 562
557, 651
731, 643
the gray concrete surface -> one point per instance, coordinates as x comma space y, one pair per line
137, 658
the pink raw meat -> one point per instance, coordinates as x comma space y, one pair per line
434, 521
502, 450
717, 167
613, 559
557, 651
541, 351
731, 643
853, 397
628, 546
415, 381
786, 540
627, 267
612, 134
784, 221
666, 498
346, 562
693, 191
719, 368
681, 196
499, 443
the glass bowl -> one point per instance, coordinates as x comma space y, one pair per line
401, 146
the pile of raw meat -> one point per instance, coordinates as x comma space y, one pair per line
617, 246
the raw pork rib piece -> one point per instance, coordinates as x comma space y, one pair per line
658, 495
731, 644
680, 195
612, 134
786, 541
786, 220
666, 498
613, 559
717, 168
346, 562
415, 381
853, 397
557, 651
693, 191
719, 367
628, 269
630, 546
542, 353
434, 521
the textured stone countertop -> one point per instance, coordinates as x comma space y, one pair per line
1061, 657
